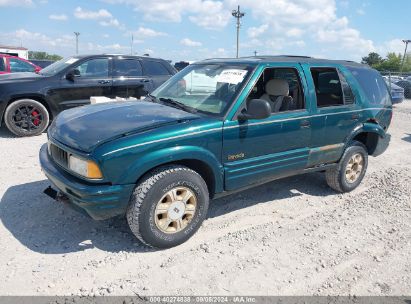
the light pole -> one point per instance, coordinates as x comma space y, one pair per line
405, 53
238, 15
255, 53
77, 34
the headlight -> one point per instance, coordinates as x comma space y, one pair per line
86, 168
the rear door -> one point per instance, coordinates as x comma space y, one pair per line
157, 71
335, 112
93, 78
128, 78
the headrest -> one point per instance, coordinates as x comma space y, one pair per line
277, 87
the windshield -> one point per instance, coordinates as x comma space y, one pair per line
58, 66
206, 88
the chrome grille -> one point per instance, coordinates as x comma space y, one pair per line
59, 155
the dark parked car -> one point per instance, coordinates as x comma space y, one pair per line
29, 101
406, 85
43, 63
397, 93
161, 160
181, 65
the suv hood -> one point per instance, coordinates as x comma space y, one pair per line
84, 128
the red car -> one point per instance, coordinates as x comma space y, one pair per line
13, 64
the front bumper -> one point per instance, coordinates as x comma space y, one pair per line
99, 201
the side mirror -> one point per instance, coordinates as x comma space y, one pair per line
72, 74
256, 109
37, 69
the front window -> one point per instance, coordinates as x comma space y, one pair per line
93, 68
58, 66
205, 88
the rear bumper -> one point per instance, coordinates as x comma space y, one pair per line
383, 143
99, 201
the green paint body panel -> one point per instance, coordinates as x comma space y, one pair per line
237, 154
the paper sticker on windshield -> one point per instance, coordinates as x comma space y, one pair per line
233, 76
71, 60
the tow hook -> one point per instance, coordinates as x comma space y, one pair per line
56, 195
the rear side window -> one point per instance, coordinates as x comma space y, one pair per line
127, 68
331, 88
348, 95
155, 68
2, 65
373, 85
327, 87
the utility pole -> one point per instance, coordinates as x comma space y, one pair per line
238, 15
77, 34
405, 53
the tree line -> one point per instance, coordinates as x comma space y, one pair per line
43, 56
392, 62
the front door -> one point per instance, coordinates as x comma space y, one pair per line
258, 150
92, 78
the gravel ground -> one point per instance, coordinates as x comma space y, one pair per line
290, 237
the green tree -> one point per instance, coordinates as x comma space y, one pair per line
372, 59
391, 63
43, 56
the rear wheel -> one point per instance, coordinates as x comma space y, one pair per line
26, 117
350, 171
168, 206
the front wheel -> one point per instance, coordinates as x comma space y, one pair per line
26, 117
350, 171
168, 206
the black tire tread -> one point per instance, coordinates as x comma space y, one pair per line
140, 192
332, 175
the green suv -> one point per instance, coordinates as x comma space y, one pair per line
216, 127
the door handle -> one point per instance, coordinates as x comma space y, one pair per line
104, 81
355, 116
145, 80
305, 124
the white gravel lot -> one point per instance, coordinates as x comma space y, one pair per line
290, 237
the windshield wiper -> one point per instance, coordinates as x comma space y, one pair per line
177, 104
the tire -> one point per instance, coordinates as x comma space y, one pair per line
345, 177
26, 117
146, 213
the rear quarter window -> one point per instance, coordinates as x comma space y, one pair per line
155, 68
373, 85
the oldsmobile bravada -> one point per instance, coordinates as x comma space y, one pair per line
239, 123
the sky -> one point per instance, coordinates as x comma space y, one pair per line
196, 29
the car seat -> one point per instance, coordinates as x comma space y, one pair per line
276, 93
